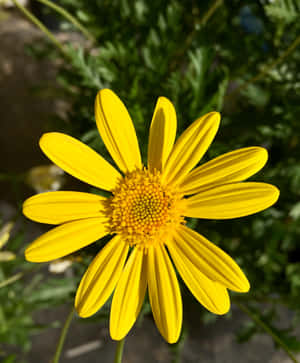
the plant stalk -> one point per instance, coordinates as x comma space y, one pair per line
207, 15
119, 351
63, 335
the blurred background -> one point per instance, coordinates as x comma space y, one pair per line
237, 57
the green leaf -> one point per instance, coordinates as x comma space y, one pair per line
54, 289
256, 95
295, 211
285, 11
10, 359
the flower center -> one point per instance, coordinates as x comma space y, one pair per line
143, 210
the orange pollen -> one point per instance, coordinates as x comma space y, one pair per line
143, 210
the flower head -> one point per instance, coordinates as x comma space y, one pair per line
145, 215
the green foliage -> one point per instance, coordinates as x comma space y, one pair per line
286, 11
147, 49
33, 289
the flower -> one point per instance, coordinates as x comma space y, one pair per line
145, 215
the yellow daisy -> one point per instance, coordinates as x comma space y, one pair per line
145, 215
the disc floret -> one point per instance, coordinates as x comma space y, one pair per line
142, 209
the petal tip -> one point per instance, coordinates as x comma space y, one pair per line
105, 92
263, 152
80, 311
25, 208
222, 310
173, 339
274, 193
81, 307
115, 334
165, 100
261, 155
30, 256
43, 139
214, 116
46, 138
243, 285
246, 286
212, 119
33, 254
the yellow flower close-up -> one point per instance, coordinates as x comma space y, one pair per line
145, 215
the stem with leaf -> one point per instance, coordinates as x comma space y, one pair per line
267, 68
41, 26
265, 327
69, 17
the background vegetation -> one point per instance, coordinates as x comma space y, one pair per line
238, 57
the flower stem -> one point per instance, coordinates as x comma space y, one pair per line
63, 335
40, 25
119, 351
214, 6
68, 16
265, 327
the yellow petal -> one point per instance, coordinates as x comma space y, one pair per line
212, 295
209, 259
101, 277
162, 134
231, 167
117, 130
164, 293
63, 206
65, 239
190, 147
79, 160
128, 296
231, 200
